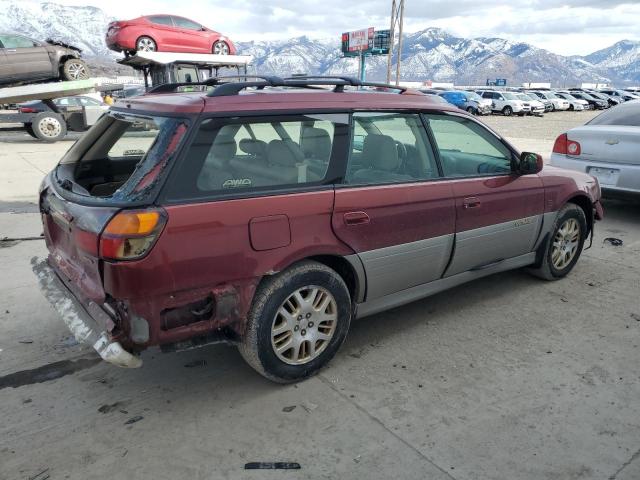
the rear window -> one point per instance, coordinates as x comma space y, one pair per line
122, 157
231, 156
627, 114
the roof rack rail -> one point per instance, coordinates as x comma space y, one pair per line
302, 81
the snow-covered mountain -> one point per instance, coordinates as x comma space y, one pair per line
622, 60
430, 54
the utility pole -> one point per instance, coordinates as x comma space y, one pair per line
397, 20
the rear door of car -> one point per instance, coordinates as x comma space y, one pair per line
193, 39
498, 213
28, 59
393, 208
249, 197
165, 34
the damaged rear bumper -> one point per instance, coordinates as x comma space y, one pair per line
87, 323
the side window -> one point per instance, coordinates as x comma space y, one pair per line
184, 23
161, 20
498, 96
389, 148
230, 155
467, 149
16, 41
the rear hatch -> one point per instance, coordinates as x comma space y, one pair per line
119, 164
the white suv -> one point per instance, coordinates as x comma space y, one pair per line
506, 103
574, 103
558, 103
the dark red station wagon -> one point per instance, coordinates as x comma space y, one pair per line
269, 213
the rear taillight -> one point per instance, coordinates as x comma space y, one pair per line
565, 146
27, 110
131, 234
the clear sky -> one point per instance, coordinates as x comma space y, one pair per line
577, 27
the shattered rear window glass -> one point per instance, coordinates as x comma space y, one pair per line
123, 157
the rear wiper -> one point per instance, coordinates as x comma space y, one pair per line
66, 184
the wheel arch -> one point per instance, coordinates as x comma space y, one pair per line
584, 202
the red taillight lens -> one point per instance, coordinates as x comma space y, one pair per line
131, 234
28, 110
565, 146
561, 144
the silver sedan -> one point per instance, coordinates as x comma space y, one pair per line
607, 148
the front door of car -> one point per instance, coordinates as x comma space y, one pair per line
192, 37
28, 59
392, 209
498, 213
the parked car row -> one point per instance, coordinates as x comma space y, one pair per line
520, 101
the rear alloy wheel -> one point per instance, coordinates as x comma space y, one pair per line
75, 69
507, 111
49, 126
298, 320
146, 44
564, 246
220, 48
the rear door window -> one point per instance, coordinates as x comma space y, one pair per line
467, 149
232, 156
389, 148
185, 23
161, 20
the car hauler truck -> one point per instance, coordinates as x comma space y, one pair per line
157, 67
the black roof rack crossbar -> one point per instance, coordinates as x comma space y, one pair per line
213, 81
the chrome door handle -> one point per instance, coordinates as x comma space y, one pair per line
11, 50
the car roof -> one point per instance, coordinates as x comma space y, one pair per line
281, 100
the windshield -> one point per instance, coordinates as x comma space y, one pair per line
121, 157
510, 96
473, 96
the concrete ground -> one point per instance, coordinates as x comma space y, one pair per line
506, 378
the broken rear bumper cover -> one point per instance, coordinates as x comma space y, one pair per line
84, 322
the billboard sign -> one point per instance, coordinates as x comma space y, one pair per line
361, 40
366, 42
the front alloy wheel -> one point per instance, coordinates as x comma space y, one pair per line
560, 253
565, 244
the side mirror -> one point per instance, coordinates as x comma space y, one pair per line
530, 163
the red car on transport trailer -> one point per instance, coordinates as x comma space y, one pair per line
166, 33
269, 213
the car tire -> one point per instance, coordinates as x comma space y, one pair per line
220, 48
146, 44
283, 312
75, 69
558, 256
507, 111
571, 108
29, 129
49, 126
